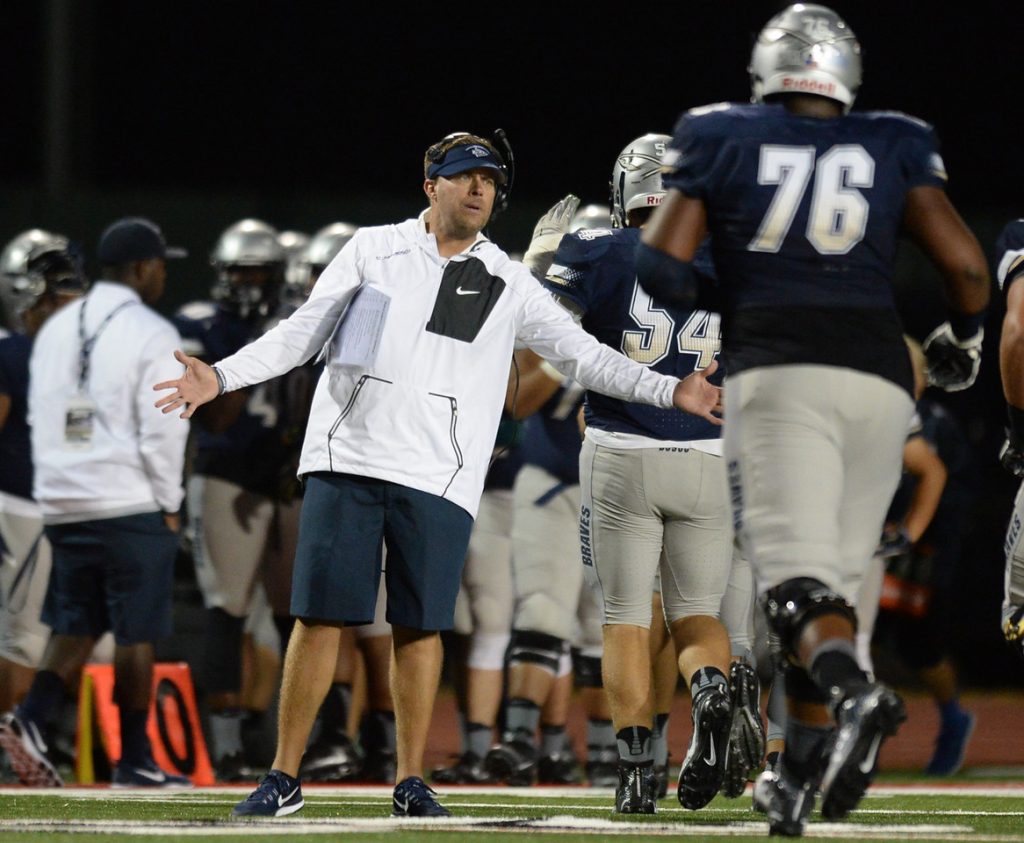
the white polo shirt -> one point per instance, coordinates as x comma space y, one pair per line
133, 462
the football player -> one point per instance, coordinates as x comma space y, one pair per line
39, 272
241, 474
1010, 257
804, 203
651, 481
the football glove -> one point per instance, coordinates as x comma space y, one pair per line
1013, 629
894, 542
1011, 456
548, 233
952, 362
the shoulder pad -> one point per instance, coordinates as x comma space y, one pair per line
582, 246
899, 116
702, 110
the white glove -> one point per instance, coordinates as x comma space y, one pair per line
548, 233
952, 363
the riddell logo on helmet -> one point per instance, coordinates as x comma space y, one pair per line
654, 200
810, 86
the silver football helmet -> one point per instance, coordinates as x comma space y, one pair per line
250, 261
319, 252
32, 264
636, 177
591, 216
806, 49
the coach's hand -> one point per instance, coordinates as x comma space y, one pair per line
694, 395
197, 385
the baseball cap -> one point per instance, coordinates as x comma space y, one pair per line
134, 239
467, 156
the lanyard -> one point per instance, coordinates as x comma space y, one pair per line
87, 343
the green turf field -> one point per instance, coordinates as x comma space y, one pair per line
894, 811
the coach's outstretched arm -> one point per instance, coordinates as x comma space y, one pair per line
197, 385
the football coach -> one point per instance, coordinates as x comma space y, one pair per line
416, 323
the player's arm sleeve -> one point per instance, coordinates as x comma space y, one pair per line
549, 330
571, 277
303, 334
162, 436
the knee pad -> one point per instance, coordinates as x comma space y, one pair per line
588, 671
537, 648
487, 650
791, 605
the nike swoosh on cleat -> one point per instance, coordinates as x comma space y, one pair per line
147, 774
711, 758
460, 292
282, 799
868, 764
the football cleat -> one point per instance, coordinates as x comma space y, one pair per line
333, 759
558, 768
786, 803
746, 738
637, 789
26, 751
413, 798
951, 745
378, 766
703, 768
661, 780
514, 762
863, 721
277, 796
467, 769
148, 775
233, 769
602, 766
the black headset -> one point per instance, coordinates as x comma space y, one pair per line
499, 141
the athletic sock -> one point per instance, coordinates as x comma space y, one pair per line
634, 744
226, 733
477, 739
552, 739
335, 708
45, 694
522, 718
384, 727
284, 625
135, 749
601, 744
705, 678
950, 710
804, 746
659, 740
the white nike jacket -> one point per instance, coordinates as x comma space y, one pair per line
418, 362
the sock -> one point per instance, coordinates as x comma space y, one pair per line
135, 749
706, 677
226, 732
834, 667
522, 718
335, 708
771, 761
600, 740
659, 740
384, 727
804, 746
552, 739
284, 625
46, 693
477, 739
777, 708
950, 711
634, 743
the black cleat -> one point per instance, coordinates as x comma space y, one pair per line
333, 759
704, 766
661, 780
746, 739
602, 766
863, 721
378, 766
637, 790
513, 761
26, 750
558, 768
786, 803
467, 769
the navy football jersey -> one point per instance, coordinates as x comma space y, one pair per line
805, 215
1010, 254
15, 442
594, 269
258, 451
551, 436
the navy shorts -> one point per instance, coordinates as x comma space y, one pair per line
113, 574
345, 520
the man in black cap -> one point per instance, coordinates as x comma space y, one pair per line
108, 481
417, 322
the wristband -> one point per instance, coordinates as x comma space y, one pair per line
966, 325
222, 385
1016, 416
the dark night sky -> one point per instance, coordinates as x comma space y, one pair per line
344, 97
